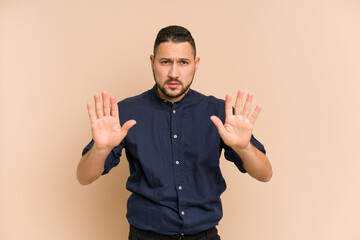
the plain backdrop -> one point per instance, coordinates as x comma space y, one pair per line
300, 58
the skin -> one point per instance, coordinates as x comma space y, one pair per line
174, 66
106, 133
236, 132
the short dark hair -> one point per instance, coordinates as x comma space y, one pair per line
176, 34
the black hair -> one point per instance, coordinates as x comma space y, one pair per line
176, 34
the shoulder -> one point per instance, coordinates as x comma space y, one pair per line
144, 99
140, 98
135, 106
208, 99
208, 105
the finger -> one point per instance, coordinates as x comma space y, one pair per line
114, 107
247, 107
218, 124
106, 103
91, 112
98, 106
126, 127
228, 106
255, 114
238, 102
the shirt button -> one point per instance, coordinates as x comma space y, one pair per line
180, 187
177, 162
174, 111
183, 213
175, 136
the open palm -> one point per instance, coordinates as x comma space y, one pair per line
238, 126
105, 123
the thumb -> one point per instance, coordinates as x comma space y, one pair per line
218, 123
127, 125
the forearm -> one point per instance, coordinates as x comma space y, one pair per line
255, 163
91, 165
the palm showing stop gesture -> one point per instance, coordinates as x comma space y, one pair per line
238, 126
105, 123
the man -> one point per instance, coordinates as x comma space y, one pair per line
173, 137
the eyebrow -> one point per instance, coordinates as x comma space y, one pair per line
170, 59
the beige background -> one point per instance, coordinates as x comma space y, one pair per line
300, 58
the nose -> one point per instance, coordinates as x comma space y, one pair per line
174, 71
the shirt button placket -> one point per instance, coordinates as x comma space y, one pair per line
178, 168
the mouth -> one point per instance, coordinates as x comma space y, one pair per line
173, 84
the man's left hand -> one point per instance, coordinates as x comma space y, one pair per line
238, 126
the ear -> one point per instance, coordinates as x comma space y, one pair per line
152, 59
197, 61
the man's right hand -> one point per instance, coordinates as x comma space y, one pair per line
107, 134
105, 123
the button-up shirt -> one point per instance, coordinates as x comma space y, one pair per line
173, 153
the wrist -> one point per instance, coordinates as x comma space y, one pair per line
242, 149
101, 150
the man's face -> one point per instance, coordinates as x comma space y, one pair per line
174, 67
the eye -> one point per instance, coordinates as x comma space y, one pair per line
164, 62
184, 62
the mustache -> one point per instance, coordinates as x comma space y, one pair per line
173, 80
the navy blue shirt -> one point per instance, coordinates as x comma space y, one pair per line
173, 153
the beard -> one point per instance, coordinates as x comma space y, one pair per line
168, 93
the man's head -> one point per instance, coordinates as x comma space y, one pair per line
175, 34
174, 62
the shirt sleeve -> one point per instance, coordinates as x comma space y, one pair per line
232, 156
112, 159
